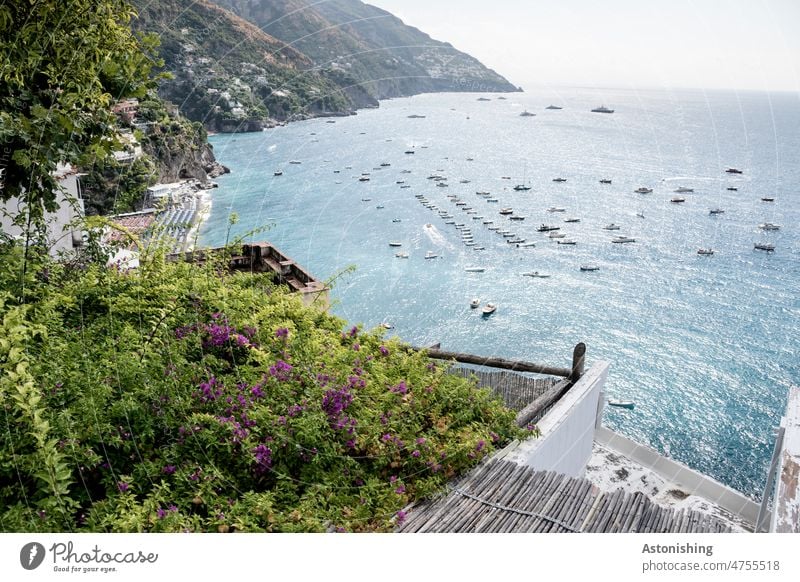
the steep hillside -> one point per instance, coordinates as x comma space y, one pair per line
385, 56
231, 76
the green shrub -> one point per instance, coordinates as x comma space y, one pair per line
171, 398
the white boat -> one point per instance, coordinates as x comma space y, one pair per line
401, 255
611, 226
605, 181
395, 244
556, 209
527, 114
590, 268
714, 211
643, 190
386, 325
559, 179
677, 199
769, 226
431, 255
546, 228
556, 234
628, 404
707, 252
295, 162
566, 241
489, 309
475, 303
765, 247
553, 107
516, 217
623, 239
277, 173
684, 190
536, 274
572, 220
602, 109
475, 269
506, 211
526, 245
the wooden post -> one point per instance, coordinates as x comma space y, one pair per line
578, 361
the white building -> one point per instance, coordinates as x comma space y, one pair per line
62, 232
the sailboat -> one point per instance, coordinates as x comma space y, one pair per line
523, 187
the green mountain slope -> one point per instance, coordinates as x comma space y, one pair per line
387, 57
231, 76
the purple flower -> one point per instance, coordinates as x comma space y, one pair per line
384, 351
401, 388
282, 333
122, 486
168, 469
354, 331
263, 457
415, 454
280, 371
400, 490
162, 513
480, 445
356, 347
256, 391
401, 517
393, 479
495, 436
421, 441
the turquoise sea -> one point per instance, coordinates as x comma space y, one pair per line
706, 346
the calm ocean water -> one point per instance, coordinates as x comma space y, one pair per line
706, 346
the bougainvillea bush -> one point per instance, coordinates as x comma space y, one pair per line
178, 397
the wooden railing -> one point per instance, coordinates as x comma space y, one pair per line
535, 409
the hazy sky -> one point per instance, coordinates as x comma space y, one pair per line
739, 44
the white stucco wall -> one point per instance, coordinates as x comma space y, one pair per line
567, 430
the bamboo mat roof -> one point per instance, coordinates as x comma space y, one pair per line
503, 497
516, 390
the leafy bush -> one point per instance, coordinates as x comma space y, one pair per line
174, 398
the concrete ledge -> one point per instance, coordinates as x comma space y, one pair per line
681, 475
786, 517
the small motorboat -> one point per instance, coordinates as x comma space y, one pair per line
386, 325
475, 303
401, 255
611, 226
553, 107
277, 173
572, 220
536, 275
295, 162
527, 114
677, 199
526, 245
627, 404
640, 215
643, 190
715, 211
556, 209
431, 255
363, 179
566, 241
705, 252
767, 199
590, 268
556, 234
475, 269
559, 179
605, 181
489, 309
732, 188
547, 227
395, 244
516, 217
733, 171
769, 226
765, 247
397, 220
684, 190
623, 239
506, 211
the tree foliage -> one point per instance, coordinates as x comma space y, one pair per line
63, 65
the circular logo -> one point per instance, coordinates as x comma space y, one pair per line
31, 555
